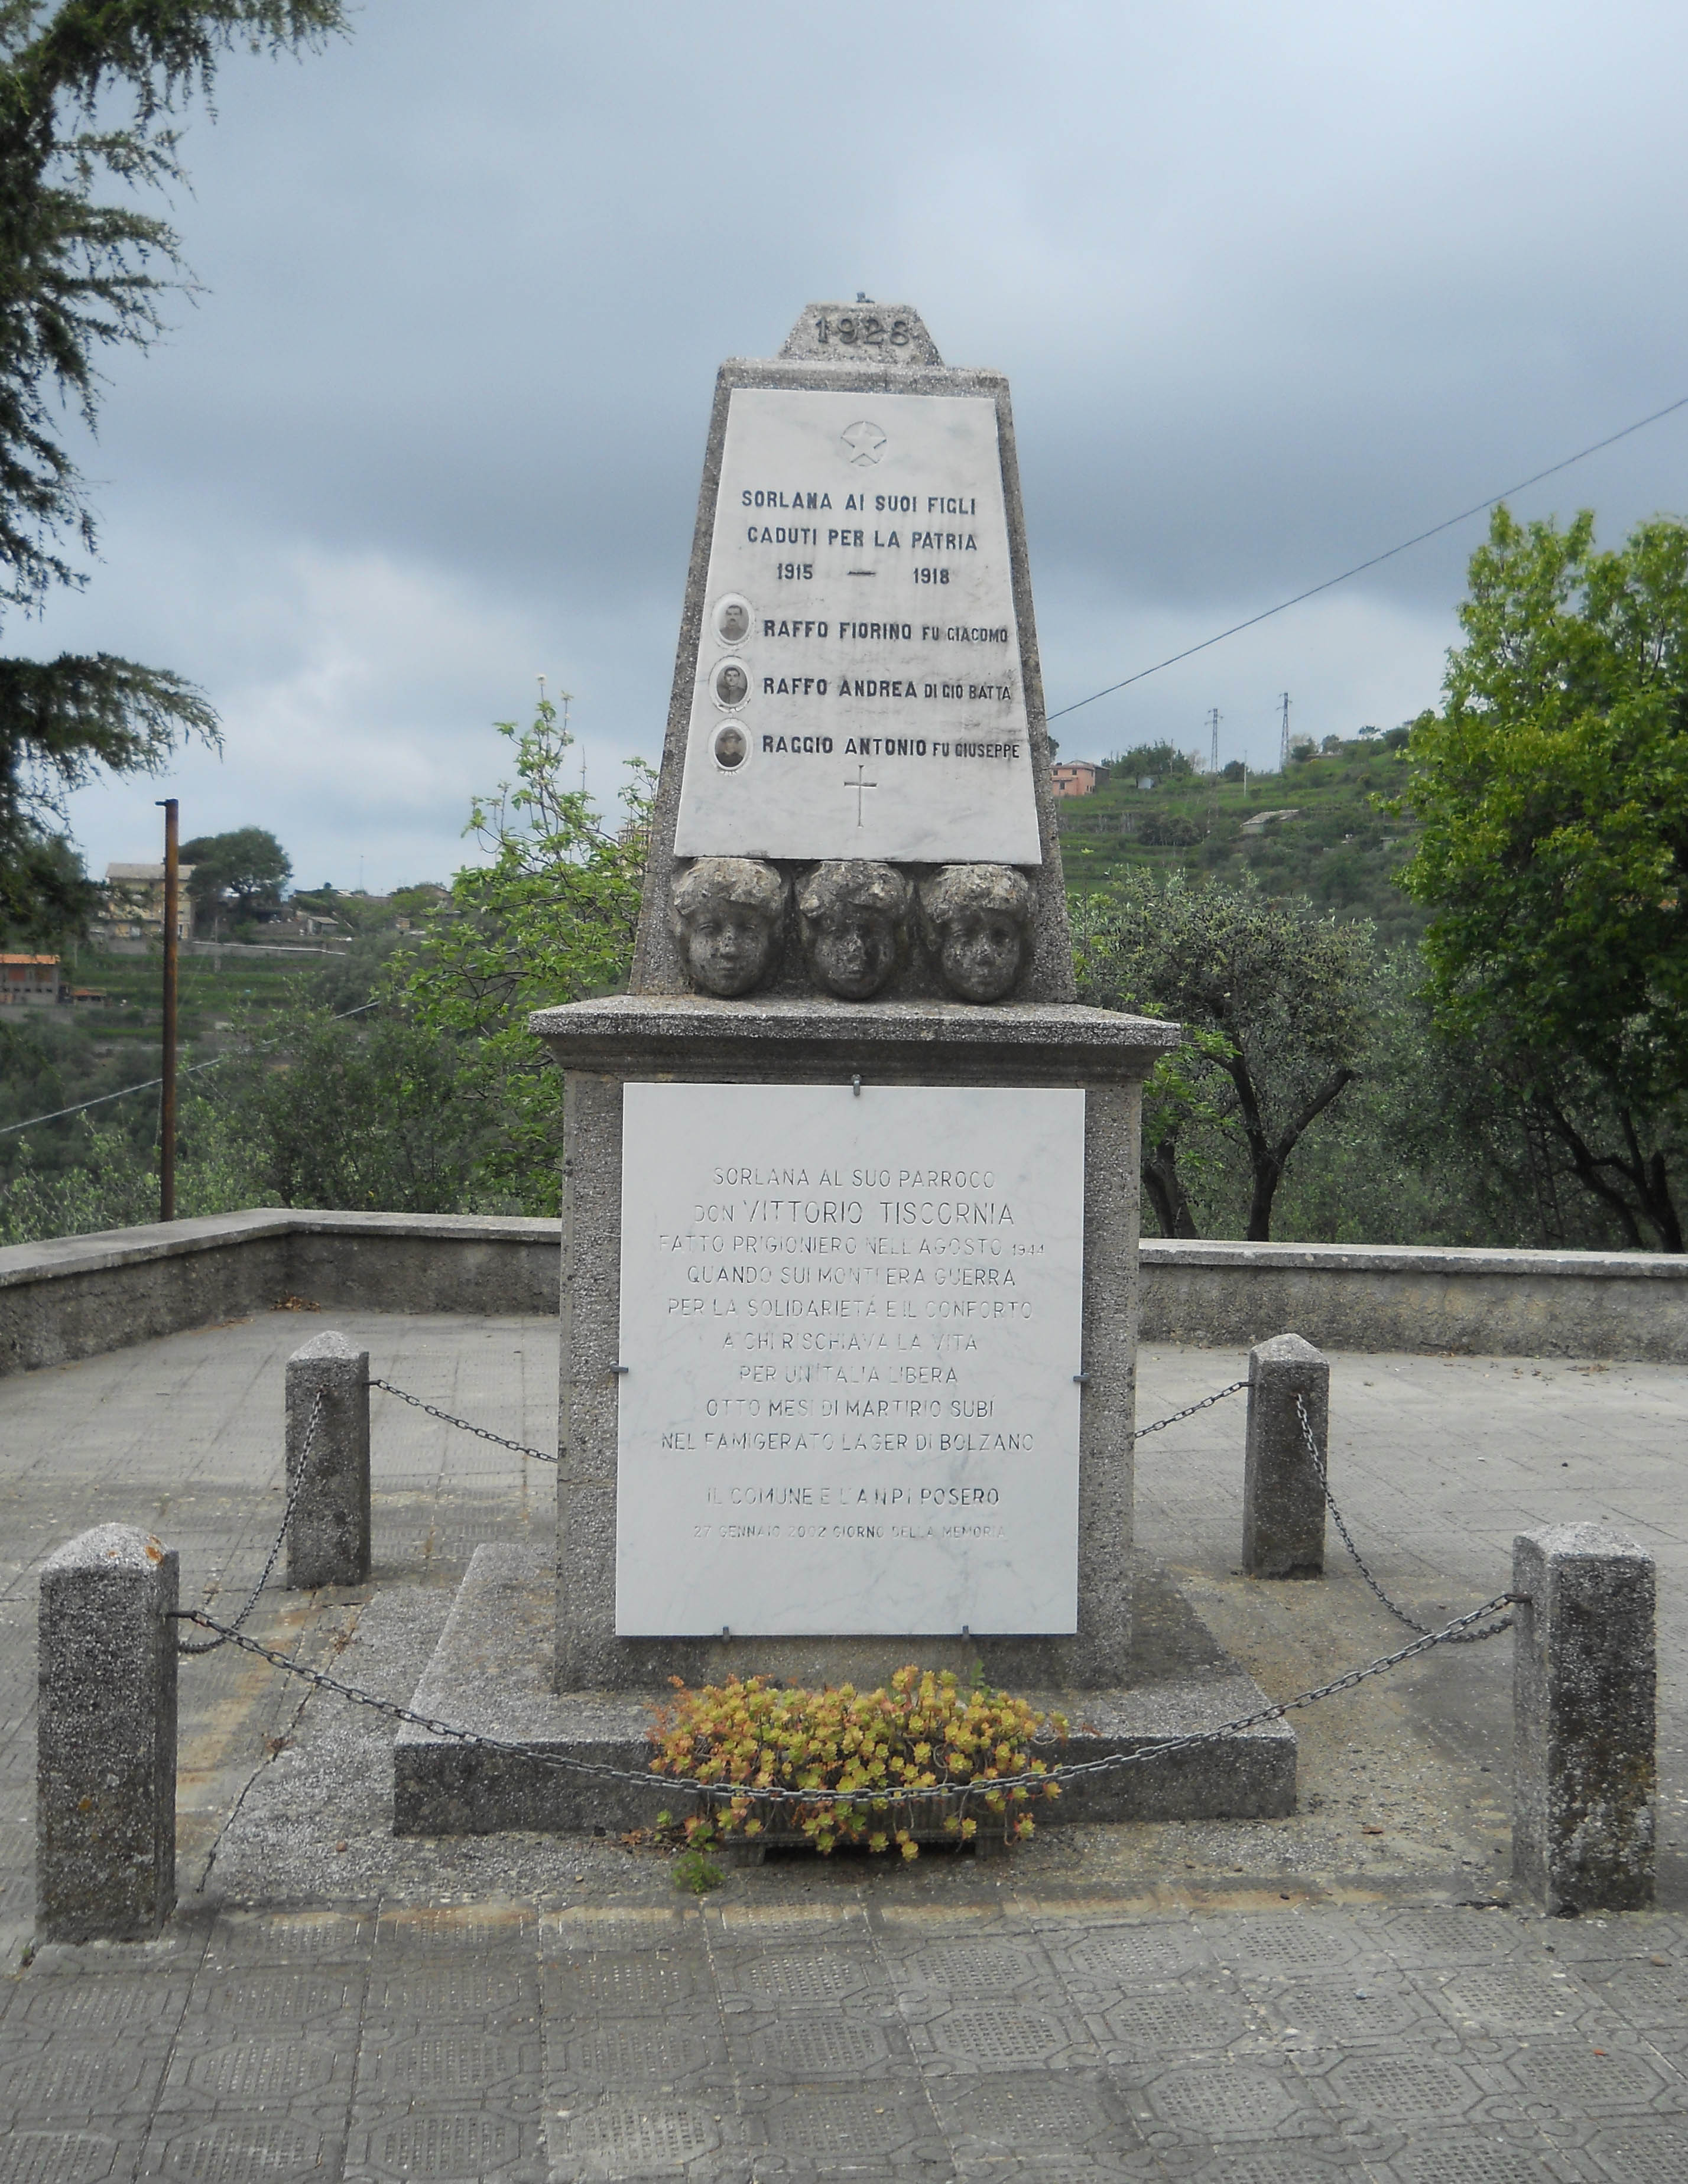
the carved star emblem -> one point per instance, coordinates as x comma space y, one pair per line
864, 441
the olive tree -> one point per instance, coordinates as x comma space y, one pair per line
1276, 999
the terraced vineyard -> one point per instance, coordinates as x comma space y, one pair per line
1314, 831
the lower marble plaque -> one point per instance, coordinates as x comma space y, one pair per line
851, 1326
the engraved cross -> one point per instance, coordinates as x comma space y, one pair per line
858, 785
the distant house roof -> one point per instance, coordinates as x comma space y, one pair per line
28, 959
155, 872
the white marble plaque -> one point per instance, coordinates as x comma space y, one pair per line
859, 689
851, 1325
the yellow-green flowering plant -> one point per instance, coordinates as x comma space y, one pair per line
926, 1732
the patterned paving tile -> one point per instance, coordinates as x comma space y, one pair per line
1650, 2152
239, 2151
1484, 2155
641, 2052
788, 1978
1122, 1956
1219, 2100
66, 2080
301, 1937
1384, 2008
1176, 2019
1518, 1998
34, 2156
658, 1981
815, 2045
972, 1964
1436, 1938
1572, 2080
1036, 2116
842, 2130
1004, 2032
1291, 1944
1649, 1991
604, 2140
446, 2064
1384, 2088
453, 2143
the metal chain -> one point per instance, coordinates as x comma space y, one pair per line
1206, 1404
481, 1433
294, 1490
668, 1785
1467, 1638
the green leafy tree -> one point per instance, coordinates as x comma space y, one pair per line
88, 91
374, 1114
243, 872
1551, 790
1156, 761
46, 893
239, 873
1281, 994
550, 918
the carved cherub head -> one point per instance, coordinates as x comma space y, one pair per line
726, 913
853, 913
977, 919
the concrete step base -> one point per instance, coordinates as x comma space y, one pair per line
491, 1672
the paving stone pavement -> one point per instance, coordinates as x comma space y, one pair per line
1303, 1999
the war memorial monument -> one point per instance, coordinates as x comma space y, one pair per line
851, 1196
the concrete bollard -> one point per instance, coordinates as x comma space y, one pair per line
105, 1738
1583, 1723
328, 1541
1283, 1502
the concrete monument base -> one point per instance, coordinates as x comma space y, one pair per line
492, 1670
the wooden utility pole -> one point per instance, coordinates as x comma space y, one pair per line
167, 1090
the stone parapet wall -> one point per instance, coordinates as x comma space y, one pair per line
1381, 1297
75, 1296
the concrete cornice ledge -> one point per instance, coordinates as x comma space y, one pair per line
817, 1039
1417, 1260
23, 1264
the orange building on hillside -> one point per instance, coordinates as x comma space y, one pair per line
31, 978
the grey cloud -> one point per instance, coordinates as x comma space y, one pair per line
1275, 288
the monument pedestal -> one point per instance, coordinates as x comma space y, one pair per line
855, 1050
492, 1668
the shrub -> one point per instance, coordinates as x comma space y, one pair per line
1168, 830
924, 1732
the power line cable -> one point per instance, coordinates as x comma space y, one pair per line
1360, 567
152, 1083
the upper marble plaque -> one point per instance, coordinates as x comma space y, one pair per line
858, 690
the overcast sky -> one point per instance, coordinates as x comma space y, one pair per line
1275, 288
